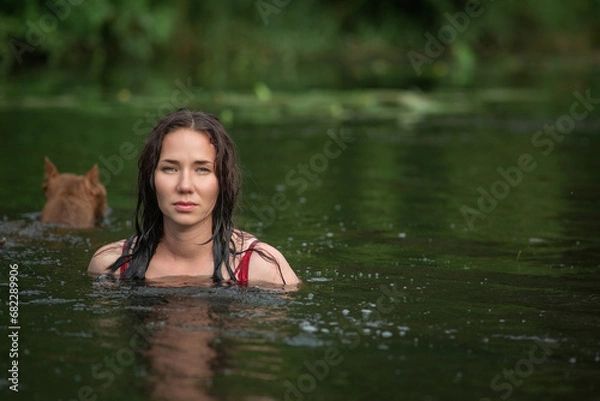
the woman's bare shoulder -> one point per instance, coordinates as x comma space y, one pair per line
105, 256
263, 269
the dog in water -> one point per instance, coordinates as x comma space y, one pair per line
73, 200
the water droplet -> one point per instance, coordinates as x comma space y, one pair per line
309, 328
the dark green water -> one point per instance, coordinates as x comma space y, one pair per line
404, 299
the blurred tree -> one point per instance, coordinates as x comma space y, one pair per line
328, 43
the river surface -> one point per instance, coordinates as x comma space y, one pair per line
445, 256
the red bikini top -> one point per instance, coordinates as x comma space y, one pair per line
241, 271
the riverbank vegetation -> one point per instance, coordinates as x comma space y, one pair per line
287, 44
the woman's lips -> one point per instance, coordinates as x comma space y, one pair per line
184, 206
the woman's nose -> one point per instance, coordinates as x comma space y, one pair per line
185, 183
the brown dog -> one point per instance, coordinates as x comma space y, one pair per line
73, 200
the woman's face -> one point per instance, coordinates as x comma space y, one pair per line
186, 184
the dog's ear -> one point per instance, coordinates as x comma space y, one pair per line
50, 171
93, 176
98, 191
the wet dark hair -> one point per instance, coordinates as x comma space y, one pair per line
148, 217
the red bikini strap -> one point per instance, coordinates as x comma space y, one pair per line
125, 265
241, 270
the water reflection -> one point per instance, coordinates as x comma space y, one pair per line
200, 334
180, 351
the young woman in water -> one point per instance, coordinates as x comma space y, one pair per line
188, 185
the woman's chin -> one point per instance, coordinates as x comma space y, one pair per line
187, 220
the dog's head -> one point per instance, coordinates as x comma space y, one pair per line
72, 199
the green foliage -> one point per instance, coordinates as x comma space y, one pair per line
283, 44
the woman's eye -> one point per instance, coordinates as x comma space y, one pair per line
203, 170
168, 169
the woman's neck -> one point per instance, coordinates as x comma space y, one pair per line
193, 243
182, 252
